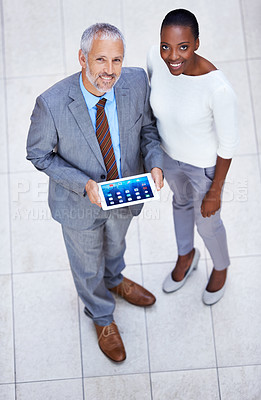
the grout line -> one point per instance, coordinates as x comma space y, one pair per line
215, 348
242, 256
250, 87
253, 58
243, 28
148, 351
240, 366
228, 61
80, 337
184, 370
246, 155
206, 266
29, 171
8, 186
145, 312
41, 272
123, 30
43, 381
215, 61
134, 374
10, 78
129, 265
213, 335
63, 36
201, 258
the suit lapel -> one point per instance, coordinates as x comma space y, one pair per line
122, 95
80, 112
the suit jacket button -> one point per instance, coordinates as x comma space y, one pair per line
102, 176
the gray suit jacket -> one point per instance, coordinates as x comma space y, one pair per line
63, 144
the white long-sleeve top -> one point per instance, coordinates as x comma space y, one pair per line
196, 115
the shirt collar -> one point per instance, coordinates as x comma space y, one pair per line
92, 100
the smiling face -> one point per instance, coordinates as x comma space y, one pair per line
177, 49
103, 67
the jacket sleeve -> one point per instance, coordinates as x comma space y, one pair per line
150, 140
41, 147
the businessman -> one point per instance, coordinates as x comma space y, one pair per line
94, 126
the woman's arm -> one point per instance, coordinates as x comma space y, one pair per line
212, 200
224, 105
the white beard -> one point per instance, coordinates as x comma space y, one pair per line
93, 81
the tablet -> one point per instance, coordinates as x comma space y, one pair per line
127, 191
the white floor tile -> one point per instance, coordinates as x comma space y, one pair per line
7, 392
179, 325
3, 136
6, 332
146, 17
131, 324
40, 48
21, 96
221, 31
185, 385
237, 74
46, 327
132, 254
55, 390
157, 238
241, 210
252, 17
43, 249
5, 254
242, 383
238, 313
128, 387
78, 18
254, 68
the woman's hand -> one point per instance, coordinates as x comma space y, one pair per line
211, 202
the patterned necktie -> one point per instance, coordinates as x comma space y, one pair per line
104, 139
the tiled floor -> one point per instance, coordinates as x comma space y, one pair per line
179, 349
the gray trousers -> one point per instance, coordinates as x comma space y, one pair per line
96, 260
189, 185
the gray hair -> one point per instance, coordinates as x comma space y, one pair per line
101, 30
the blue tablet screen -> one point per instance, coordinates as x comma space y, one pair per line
127, 191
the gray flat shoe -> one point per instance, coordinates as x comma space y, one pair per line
210, 298
169, 285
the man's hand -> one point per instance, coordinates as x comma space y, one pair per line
92, 190
157, 176
211, 202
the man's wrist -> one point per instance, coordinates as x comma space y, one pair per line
160, 170
85, 189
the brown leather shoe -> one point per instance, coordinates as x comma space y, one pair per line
110, 342
134, 293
